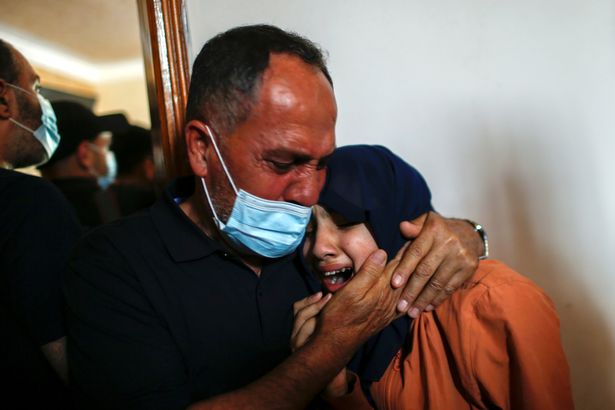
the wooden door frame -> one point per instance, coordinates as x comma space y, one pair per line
165, 39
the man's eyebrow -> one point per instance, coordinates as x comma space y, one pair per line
297, 157
324, 160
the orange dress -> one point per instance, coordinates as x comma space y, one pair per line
495, 343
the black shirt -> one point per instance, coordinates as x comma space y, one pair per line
129, 198
37, 232
161, 316
81, 193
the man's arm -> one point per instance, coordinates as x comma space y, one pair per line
121, 355
340, 331
443, 254
292, 384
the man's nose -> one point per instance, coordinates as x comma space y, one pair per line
306, 188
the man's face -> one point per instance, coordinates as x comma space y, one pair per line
99, 148
22, 148
280, 151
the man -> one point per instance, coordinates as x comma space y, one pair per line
37, 232
83, 161
133, 188
192, 303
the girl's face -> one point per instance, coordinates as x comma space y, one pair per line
336, 249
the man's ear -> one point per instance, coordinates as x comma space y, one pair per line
198, 146
148, 168
5, 110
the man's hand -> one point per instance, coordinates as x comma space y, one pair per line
443, 254
355, 313
365, 305
347, 319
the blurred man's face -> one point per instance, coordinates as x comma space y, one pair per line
100, 147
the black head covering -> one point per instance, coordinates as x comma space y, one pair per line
131, 148
371, 184
76, 123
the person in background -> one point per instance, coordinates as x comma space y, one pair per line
133, 188
38, 230
190, 303
494, 344
83, 165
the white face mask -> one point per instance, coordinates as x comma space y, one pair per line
47, 134
105, 180
267, 228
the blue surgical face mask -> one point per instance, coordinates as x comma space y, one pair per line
108, 179
105, 180
47, 134
267, 228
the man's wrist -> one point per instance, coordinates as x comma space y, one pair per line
482, 234
342, 389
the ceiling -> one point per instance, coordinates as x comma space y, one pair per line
97, 31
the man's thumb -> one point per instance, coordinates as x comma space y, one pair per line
410, 230
371, 269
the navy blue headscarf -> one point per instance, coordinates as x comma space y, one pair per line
371, 184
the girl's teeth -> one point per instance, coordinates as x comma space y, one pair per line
334, 272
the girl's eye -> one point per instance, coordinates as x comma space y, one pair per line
347, 226
342, 222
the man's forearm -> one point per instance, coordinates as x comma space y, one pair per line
293, 383
358, 311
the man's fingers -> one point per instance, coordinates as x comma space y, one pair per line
413, 254
455, 283
435, 264
437, 284
410, 230
371, 270
410, 259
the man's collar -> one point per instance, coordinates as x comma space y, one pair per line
184, 240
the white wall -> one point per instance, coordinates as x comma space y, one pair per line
128, 95
507, 109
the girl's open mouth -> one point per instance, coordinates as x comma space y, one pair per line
334, 280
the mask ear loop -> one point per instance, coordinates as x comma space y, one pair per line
228, 175
20, 89
25, 127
